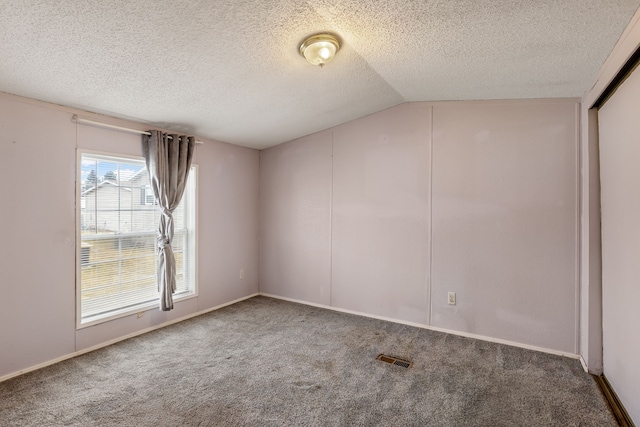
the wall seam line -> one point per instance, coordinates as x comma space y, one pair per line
259, 222
75, 241
331, 229
430, 219
578, 228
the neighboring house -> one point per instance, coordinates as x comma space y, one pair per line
145, 212
118, 208
100, 207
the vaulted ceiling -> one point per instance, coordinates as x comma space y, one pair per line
230, 69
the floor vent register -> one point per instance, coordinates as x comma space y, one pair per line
393, 361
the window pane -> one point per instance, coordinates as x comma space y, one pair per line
118, 224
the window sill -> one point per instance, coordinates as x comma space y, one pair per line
138, 309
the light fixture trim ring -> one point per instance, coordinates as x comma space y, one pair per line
319, 38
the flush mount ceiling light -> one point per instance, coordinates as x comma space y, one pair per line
320, 48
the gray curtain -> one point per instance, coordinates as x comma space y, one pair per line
168, 160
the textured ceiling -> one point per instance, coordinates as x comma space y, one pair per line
229, 70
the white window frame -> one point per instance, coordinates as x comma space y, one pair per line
142, 307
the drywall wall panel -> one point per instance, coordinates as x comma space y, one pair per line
37, 213
620, 193
505, 221
380, 232
295, 230
228, 191
109, 141
133, 324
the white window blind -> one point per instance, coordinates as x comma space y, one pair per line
118, 227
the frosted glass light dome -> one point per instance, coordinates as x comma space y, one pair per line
319, 49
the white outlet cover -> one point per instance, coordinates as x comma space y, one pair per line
451, 298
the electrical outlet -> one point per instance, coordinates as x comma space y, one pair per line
242, 274
452, 298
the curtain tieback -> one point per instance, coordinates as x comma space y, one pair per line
163, 241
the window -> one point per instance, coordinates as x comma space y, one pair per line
118, 224
146, 196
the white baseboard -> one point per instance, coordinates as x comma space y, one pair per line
583, 363
122, 338
432, 328
373, 316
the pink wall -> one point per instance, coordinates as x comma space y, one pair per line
479, 198
295, 219
380, 239
37, 257
37, 174
505, 218
228, 223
